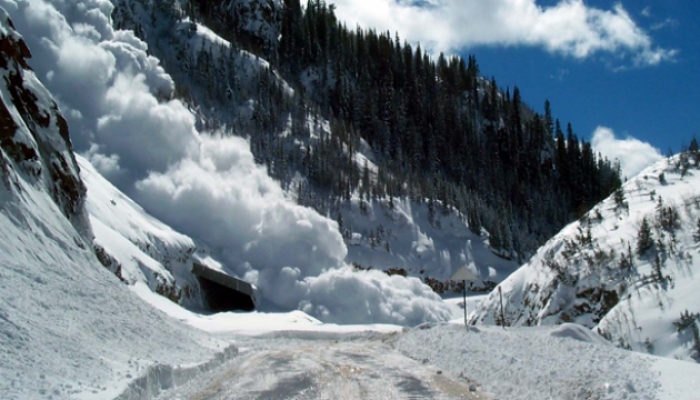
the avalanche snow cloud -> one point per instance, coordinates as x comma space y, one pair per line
115, 97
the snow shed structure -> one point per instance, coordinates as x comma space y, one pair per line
223, 292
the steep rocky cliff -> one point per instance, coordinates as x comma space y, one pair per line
34, 135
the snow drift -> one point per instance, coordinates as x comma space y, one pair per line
545, 363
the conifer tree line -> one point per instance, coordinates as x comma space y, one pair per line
442, 133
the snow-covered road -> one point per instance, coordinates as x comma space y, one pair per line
360, 368
294, 356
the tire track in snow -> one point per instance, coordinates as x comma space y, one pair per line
324, 369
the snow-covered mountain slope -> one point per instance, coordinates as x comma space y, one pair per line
421, 239
195, 53
415, 245
608, 272
68, 327
137, 247
380, 234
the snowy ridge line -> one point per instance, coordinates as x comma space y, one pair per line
160, 377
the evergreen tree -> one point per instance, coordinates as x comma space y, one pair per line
683, 163
548, 121
694, 147
645, 241
696, 341
627, 260
694, 151
657, 268
662, 178
620, 200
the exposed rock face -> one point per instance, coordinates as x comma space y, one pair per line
34, 135
558, 286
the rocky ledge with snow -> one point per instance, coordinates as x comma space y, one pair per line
34, 135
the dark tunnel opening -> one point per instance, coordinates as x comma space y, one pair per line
221, 298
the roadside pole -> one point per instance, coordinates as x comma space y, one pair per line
464, 275
464, 296
503, 320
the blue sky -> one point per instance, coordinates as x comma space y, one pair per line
627, 70
659, 104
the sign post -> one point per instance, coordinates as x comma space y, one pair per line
464, 275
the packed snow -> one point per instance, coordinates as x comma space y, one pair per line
566, 362
362, 367
294, 353
68, 327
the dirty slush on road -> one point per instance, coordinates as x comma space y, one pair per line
359, 366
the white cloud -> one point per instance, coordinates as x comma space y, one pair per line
633, 154
209, 187
560, 75
667, 22
570, 27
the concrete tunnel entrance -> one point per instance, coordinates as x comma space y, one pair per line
223, 292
